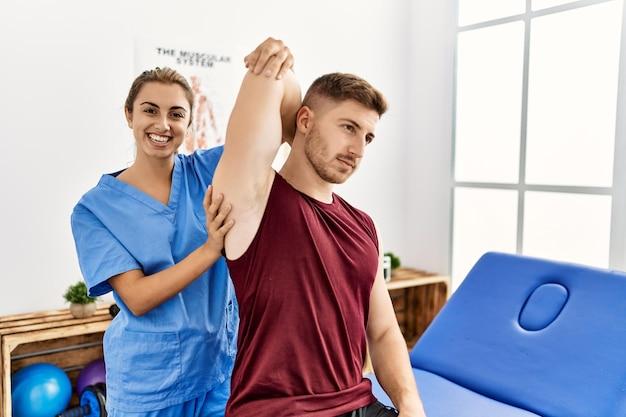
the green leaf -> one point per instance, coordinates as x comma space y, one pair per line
77, 294
395, 261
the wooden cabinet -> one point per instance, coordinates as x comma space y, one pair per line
53, 337
417, 297
56, 337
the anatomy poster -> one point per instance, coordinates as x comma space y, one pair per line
214, 77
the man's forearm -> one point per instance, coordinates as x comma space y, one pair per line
391, 364
289, 107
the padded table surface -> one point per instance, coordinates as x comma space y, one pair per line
443, 398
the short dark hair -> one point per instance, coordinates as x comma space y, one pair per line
339, 86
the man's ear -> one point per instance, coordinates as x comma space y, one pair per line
304, 119
129, 117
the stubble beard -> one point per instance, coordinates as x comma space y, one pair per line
316, 154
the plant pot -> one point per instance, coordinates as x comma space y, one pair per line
80, 311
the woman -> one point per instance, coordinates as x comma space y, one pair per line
153, 235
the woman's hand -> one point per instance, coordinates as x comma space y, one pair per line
272, 58
216, 224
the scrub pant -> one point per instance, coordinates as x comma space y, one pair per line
373, 410
211, 404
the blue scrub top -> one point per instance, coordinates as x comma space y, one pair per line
186, 346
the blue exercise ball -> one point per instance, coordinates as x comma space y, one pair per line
40, 390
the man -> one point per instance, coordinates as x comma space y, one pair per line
305, 264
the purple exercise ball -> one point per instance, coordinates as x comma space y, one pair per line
91, 374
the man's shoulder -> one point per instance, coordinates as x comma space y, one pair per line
353, 209
361, 218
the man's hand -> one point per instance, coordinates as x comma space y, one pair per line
216, 212
272, 58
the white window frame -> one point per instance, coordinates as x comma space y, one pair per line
617, 255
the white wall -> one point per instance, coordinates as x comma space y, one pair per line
67, 65
428, 151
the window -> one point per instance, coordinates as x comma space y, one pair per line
539, 149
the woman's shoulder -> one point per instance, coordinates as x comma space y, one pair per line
97, 192
207, 156
202, 162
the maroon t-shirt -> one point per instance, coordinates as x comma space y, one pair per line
303, 288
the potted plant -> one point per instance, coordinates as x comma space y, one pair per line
394, 261
81, 304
